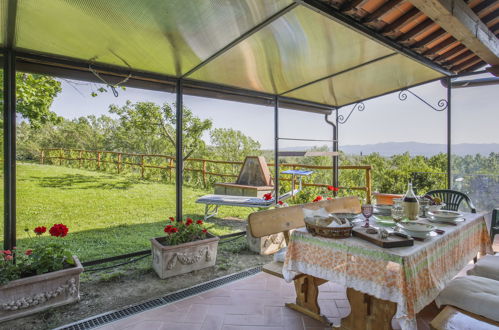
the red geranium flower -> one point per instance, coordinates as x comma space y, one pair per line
267, 197
318, 198
28, 252
7, 252
171, 219
59, 230
168, 229
329, 198
280, 202
199, 222
174, 230
40, 230
8, 257
188, 222
205, 231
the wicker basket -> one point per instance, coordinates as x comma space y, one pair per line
329, 232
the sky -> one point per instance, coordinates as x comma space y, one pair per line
475, 114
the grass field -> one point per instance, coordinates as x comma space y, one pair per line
106, 214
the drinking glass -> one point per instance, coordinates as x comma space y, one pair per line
397, 214
367, 211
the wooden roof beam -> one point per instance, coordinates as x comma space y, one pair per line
401, 21
383, 9
483, 5
429, 39
442, 45
458, 19
468, 63
421, 27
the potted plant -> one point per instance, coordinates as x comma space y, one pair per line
187, 246
41, 277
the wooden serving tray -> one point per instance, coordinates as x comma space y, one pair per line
390, 242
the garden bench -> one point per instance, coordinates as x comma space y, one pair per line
284, 219
454, 318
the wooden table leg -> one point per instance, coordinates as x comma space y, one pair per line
307, 292
368, 312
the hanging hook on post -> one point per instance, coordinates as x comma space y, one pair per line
442, 104
112, 86
359, 106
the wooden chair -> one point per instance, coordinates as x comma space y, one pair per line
494, 225
284, 219
452, 199
451, 318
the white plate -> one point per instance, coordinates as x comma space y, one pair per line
445, 214
421, 235
438, 220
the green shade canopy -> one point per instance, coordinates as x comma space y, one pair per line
274, 47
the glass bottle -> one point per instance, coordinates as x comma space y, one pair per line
411, 203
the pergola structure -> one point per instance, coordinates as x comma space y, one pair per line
309, 55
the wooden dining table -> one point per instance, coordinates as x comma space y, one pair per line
382, 283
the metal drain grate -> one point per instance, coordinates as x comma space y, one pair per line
99, 320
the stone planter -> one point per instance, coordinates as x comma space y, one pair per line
179, 259
40, 292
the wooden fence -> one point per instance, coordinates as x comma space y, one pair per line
119, 161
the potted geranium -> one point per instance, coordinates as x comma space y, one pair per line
38, 278
187, 246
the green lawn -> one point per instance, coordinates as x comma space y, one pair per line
106, 214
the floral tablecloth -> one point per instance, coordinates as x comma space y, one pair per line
411, 276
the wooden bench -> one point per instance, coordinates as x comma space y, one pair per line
284, 219
454, 318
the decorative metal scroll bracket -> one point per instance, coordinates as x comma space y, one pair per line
359, 106
441, 105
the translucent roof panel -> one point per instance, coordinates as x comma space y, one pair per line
3, 22
168, 37
389, 74
299, 47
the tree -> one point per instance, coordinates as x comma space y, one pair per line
149, 127
34, 96
231, 144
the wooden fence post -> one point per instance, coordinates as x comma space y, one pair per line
204, 173
142, 166
42, 156
120, 155
98, 160
368, 185
170, 168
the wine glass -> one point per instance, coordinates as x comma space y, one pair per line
367, 211
397, 214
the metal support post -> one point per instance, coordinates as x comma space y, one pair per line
334, 125
336, 158
276, 147
179, 164
449, 135
9, 149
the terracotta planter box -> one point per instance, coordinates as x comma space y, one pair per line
40, 292
179, 259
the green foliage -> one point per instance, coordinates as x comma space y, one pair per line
38, 259
107, 214
34, 96
233, 145
149, 128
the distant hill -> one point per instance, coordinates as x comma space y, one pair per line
414, 148
417, 149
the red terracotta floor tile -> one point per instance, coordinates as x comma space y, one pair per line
256, 302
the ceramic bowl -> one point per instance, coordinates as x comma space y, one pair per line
416, 229
445, 214
433, 208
